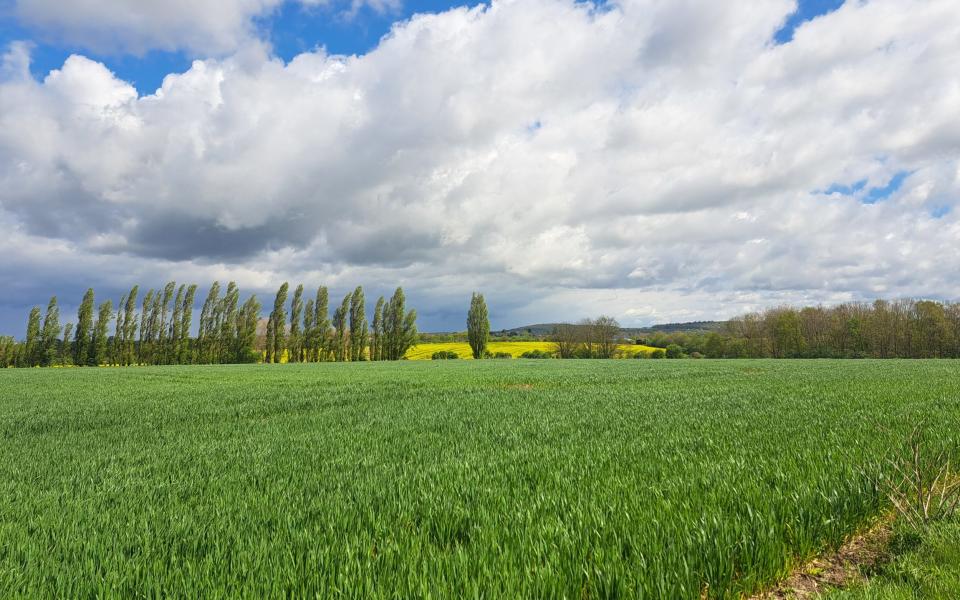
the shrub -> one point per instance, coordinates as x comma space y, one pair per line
536, 354
658, 353
444, 355
674, 351
504, 355
696, 355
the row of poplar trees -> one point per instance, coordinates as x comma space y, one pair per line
313, 337
160, 333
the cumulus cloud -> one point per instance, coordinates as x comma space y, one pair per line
655, 160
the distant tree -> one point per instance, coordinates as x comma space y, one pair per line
207, 331
568, 339
308, 333
341, 346
376, 339
84, 332
130, 326
321, 325
143, 348
227, 324
165, 333
358, 326
101, 333
399, 327
247, 331
605, 331
296, 315
31, 345
171, 354
116, 347
276, 327
674, 351
478, 325
50, 334
65, 355
186, 316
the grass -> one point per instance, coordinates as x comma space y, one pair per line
425, 351
925, 564
478, 479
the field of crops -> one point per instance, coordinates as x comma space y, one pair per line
515, 349
651, 479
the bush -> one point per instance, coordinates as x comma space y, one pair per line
674, 351
504, 355
696, 355
444, 355
658, 353
536, 354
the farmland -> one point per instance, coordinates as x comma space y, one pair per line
424, 351
454, 479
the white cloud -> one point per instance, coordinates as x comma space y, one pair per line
650, 159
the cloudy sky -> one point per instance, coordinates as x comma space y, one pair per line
656, 160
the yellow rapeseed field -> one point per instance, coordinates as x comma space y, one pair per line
425, 351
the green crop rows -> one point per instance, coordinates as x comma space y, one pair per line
474, 479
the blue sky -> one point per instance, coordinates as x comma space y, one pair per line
291, 29
654, 160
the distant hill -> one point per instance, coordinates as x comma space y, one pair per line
544, 329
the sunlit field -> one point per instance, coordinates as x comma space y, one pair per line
498, 479
515, 349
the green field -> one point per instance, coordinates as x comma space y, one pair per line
446, 479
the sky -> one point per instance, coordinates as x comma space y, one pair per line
652, 160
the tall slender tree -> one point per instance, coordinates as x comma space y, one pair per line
163, 333
478, 326
308, 333
66, 353
376, 338
50, 335
116, 347
226, 346
296, 314
186, 315
399, 327
84, 332
207, 328
341, 347
31, 345
321, 325
172, 350
101, 333
143, 348
358, 326
130, 327
277, 325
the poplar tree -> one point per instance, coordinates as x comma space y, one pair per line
145, 335
186, 315
207, 331
478, 326
228, 324
50, 335
276, 326
130, 326
308, 333
172, 352
116, 350
376, 339
341, 346
296, 314
65, 351
100, 333
163, 333
31, 345
321, 324
358, 325
399, 327
84, 332
247, 330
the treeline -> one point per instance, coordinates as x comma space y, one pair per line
881, 329
228, 331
